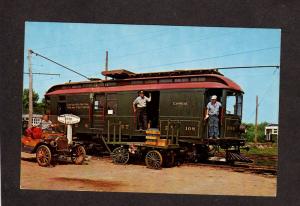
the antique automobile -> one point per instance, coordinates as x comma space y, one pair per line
51, 145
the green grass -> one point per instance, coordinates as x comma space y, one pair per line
265, 156
267, 151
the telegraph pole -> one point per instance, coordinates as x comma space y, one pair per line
106, 63
30, 109
30, 96
256, 117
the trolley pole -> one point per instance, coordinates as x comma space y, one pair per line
106, 63
256, 117
30, 105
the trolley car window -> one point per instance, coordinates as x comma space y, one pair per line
234, 104
151, 81
108, 84
239, 105
230, 104
165, 80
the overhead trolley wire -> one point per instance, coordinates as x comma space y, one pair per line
72, 70
170, 46
265, 92
208, 58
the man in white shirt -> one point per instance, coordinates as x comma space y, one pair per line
212, 113
46, 124
139, 106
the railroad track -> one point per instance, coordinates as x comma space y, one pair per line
238, 167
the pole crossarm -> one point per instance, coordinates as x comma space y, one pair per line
41, 73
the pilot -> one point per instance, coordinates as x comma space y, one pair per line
212, 114
139, 106
46, 124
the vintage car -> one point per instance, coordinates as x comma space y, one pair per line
50, 145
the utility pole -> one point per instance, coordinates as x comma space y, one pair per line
256, 117
106, 63
30, 95
30, 109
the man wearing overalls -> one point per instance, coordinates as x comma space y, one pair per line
212, 113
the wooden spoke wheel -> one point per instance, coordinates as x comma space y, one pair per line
154, 159
120, 155
43, 156
78, 155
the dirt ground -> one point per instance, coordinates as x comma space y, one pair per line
99, 174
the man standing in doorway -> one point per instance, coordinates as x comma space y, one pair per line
139, 106
212, 113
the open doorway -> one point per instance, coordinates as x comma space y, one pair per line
153, 109
211, 92
208, 94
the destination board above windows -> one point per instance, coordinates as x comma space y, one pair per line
108, 84
198, 79
137, 82
181, 80
76, 86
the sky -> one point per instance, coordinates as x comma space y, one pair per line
149, 48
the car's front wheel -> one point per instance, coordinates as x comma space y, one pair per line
43, 156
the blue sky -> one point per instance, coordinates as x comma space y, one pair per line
147, 48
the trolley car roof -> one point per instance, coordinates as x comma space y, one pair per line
125, 74
211, 79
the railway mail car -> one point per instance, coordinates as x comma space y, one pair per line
177, 109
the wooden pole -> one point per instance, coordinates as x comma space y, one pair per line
106, 63
256, 117
30, 105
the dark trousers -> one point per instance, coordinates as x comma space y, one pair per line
141, 116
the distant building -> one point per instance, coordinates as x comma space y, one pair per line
36, 119
271, 133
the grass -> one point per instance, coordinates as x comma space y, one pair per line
266, 151
263, 154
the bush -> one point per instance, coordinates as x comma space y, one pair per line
250, 131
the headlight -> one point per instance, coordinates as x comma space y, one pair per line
53, 143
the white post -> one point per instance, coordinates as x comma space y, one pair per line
69, 134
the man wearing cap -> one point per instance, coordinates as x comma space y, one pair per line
139, 106
212, 113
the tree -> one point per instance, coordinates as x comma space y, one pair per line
250, 131
38, 107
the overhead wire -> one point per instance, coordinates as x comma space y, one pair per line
55, 62
170, 46
208, 58
265, 92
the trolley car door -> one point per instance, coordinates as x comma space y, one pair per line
98, 115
